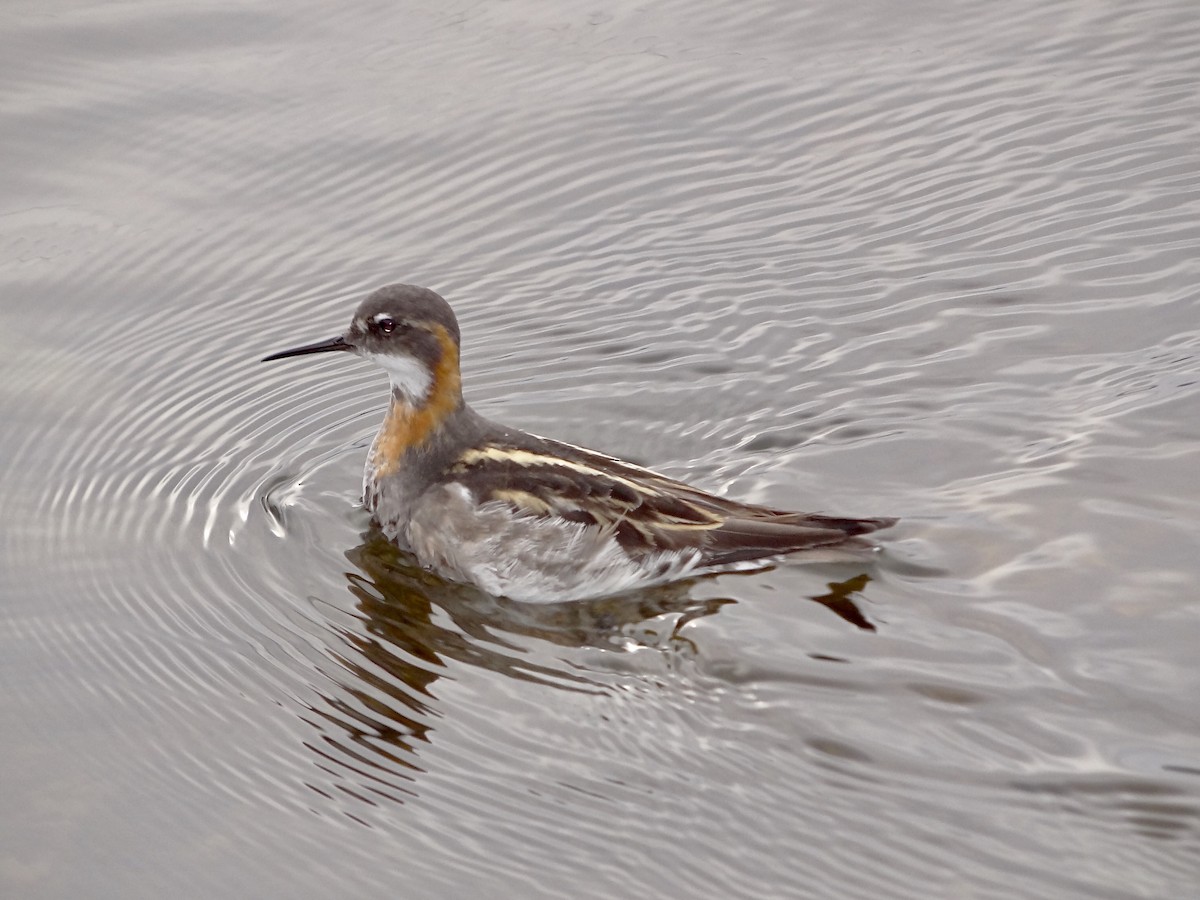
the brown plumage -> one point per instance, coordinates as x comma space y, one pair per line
646, 512
532, 518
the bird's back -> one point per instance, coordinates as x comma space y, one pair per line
589, 523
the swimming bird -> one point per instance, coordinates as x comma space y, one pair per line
527, 517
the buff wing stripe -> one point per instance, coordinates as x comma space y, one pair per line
646, 512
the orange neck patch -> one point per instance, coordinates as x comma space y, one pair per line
406, 427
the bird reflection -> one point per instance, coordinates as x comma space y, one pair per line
839, 600
412, 624
405, 608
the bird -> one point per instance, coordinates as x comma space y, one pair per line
533, 519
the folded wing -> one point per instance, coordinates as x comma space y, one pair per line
648, 513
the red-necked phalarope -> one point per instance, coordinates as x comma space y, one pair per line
530, 518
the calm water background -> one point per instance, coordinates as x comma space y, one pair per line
935, 260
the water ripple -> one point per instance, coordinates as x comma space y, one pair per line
941, 266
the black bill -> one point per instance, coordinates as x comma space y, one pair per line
337, 343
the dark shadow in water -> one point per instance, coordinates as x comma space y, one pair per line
839, 600
415, 622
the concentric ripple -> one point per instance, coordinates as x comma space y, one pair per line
850, 259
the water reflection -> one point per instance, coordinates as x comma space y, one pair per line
412, 626
413, 615
397, 598
839, 599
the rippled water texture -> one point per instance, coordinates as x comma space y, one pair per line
938, 261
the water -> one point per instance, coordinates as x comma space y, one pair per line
938, 262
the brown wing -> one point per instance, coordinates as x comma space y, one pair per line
745, 538
646, 512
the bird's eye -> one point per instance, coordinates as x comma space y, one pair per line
386, 324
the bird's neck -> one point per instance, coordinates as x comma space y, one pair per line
410, 423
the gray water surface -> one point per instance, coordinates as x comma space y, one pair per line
939, 261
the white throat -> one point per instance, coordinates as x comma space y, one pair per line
408, 375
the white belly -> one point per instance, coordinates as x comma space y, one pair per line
536, 559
